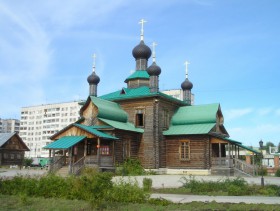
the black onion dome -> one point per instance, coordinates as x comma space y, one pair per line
93, 79
187, 85
154, 69
141, 51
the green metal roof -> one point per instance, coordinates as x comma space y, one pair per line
92, 130
122, 125
138, 74
125, 93
190, 129
249, 149
196, 114
231, 141
241, 145
143, 91
109, 110
65, 142
190, 120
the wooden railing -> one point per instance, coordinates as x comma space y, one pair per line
91, 160
57, 163
239, 165
78, 166
244, 167
104, 161
222, 162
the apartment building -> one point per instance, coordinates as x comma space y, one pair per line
9, 125
38, 123
178, 94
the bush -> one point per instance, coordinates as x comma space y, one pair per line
128, 192
277, 173
131, 167
147, 184
27, 161
95, 187
159, 202
234, 190
237, 186
262, 171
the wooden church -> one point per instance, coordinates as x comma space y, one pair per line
166, 134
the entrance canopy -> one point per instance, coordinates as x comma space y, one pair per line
65, 142
239, 144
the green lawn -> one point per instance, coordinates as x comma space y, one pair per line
42, 204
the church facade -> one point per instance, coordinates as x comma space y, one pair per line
141, 122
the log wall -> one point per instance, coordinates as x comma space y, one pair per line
199, 152
152, 149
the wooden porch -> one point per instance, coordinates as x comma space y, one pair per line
226, 159
90, 152
103, 163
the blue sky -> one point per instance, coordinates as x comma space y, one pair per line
233, 46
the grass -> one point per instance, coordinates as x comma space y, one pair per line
186, 191
43, 204
94, 190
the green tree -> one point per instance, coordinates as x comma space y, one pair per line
267, 145
27, 161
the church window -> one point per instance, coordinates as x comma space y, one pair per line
139, 118
165, 118
184, 150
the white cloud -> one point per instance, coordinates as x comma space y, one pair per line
251, 135
264, 111
237, 113
277, 112
25, 48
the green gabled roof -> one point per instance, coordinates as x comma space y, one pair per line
143, 91
190, 120
138, 74
109, 110
92, 130
125, 93
191, 129
122, 125
197, 114
65, 142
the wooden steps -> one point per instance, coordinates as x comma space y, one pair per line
63, 172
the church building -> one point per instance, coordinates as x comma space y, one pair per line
166, 134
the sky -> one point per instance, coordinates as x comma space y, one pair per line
233, 47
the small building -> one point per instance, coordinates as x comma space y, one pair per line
139, 121
12, 149
9, 125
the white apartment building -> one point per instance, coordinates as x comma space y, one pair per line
40, 122
177, 93
9, 125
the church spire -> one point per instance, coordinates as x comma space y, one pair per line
154, 44
187, 87
141, 52
187, 63
93, 66
142, 21
154, 71
93, 80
